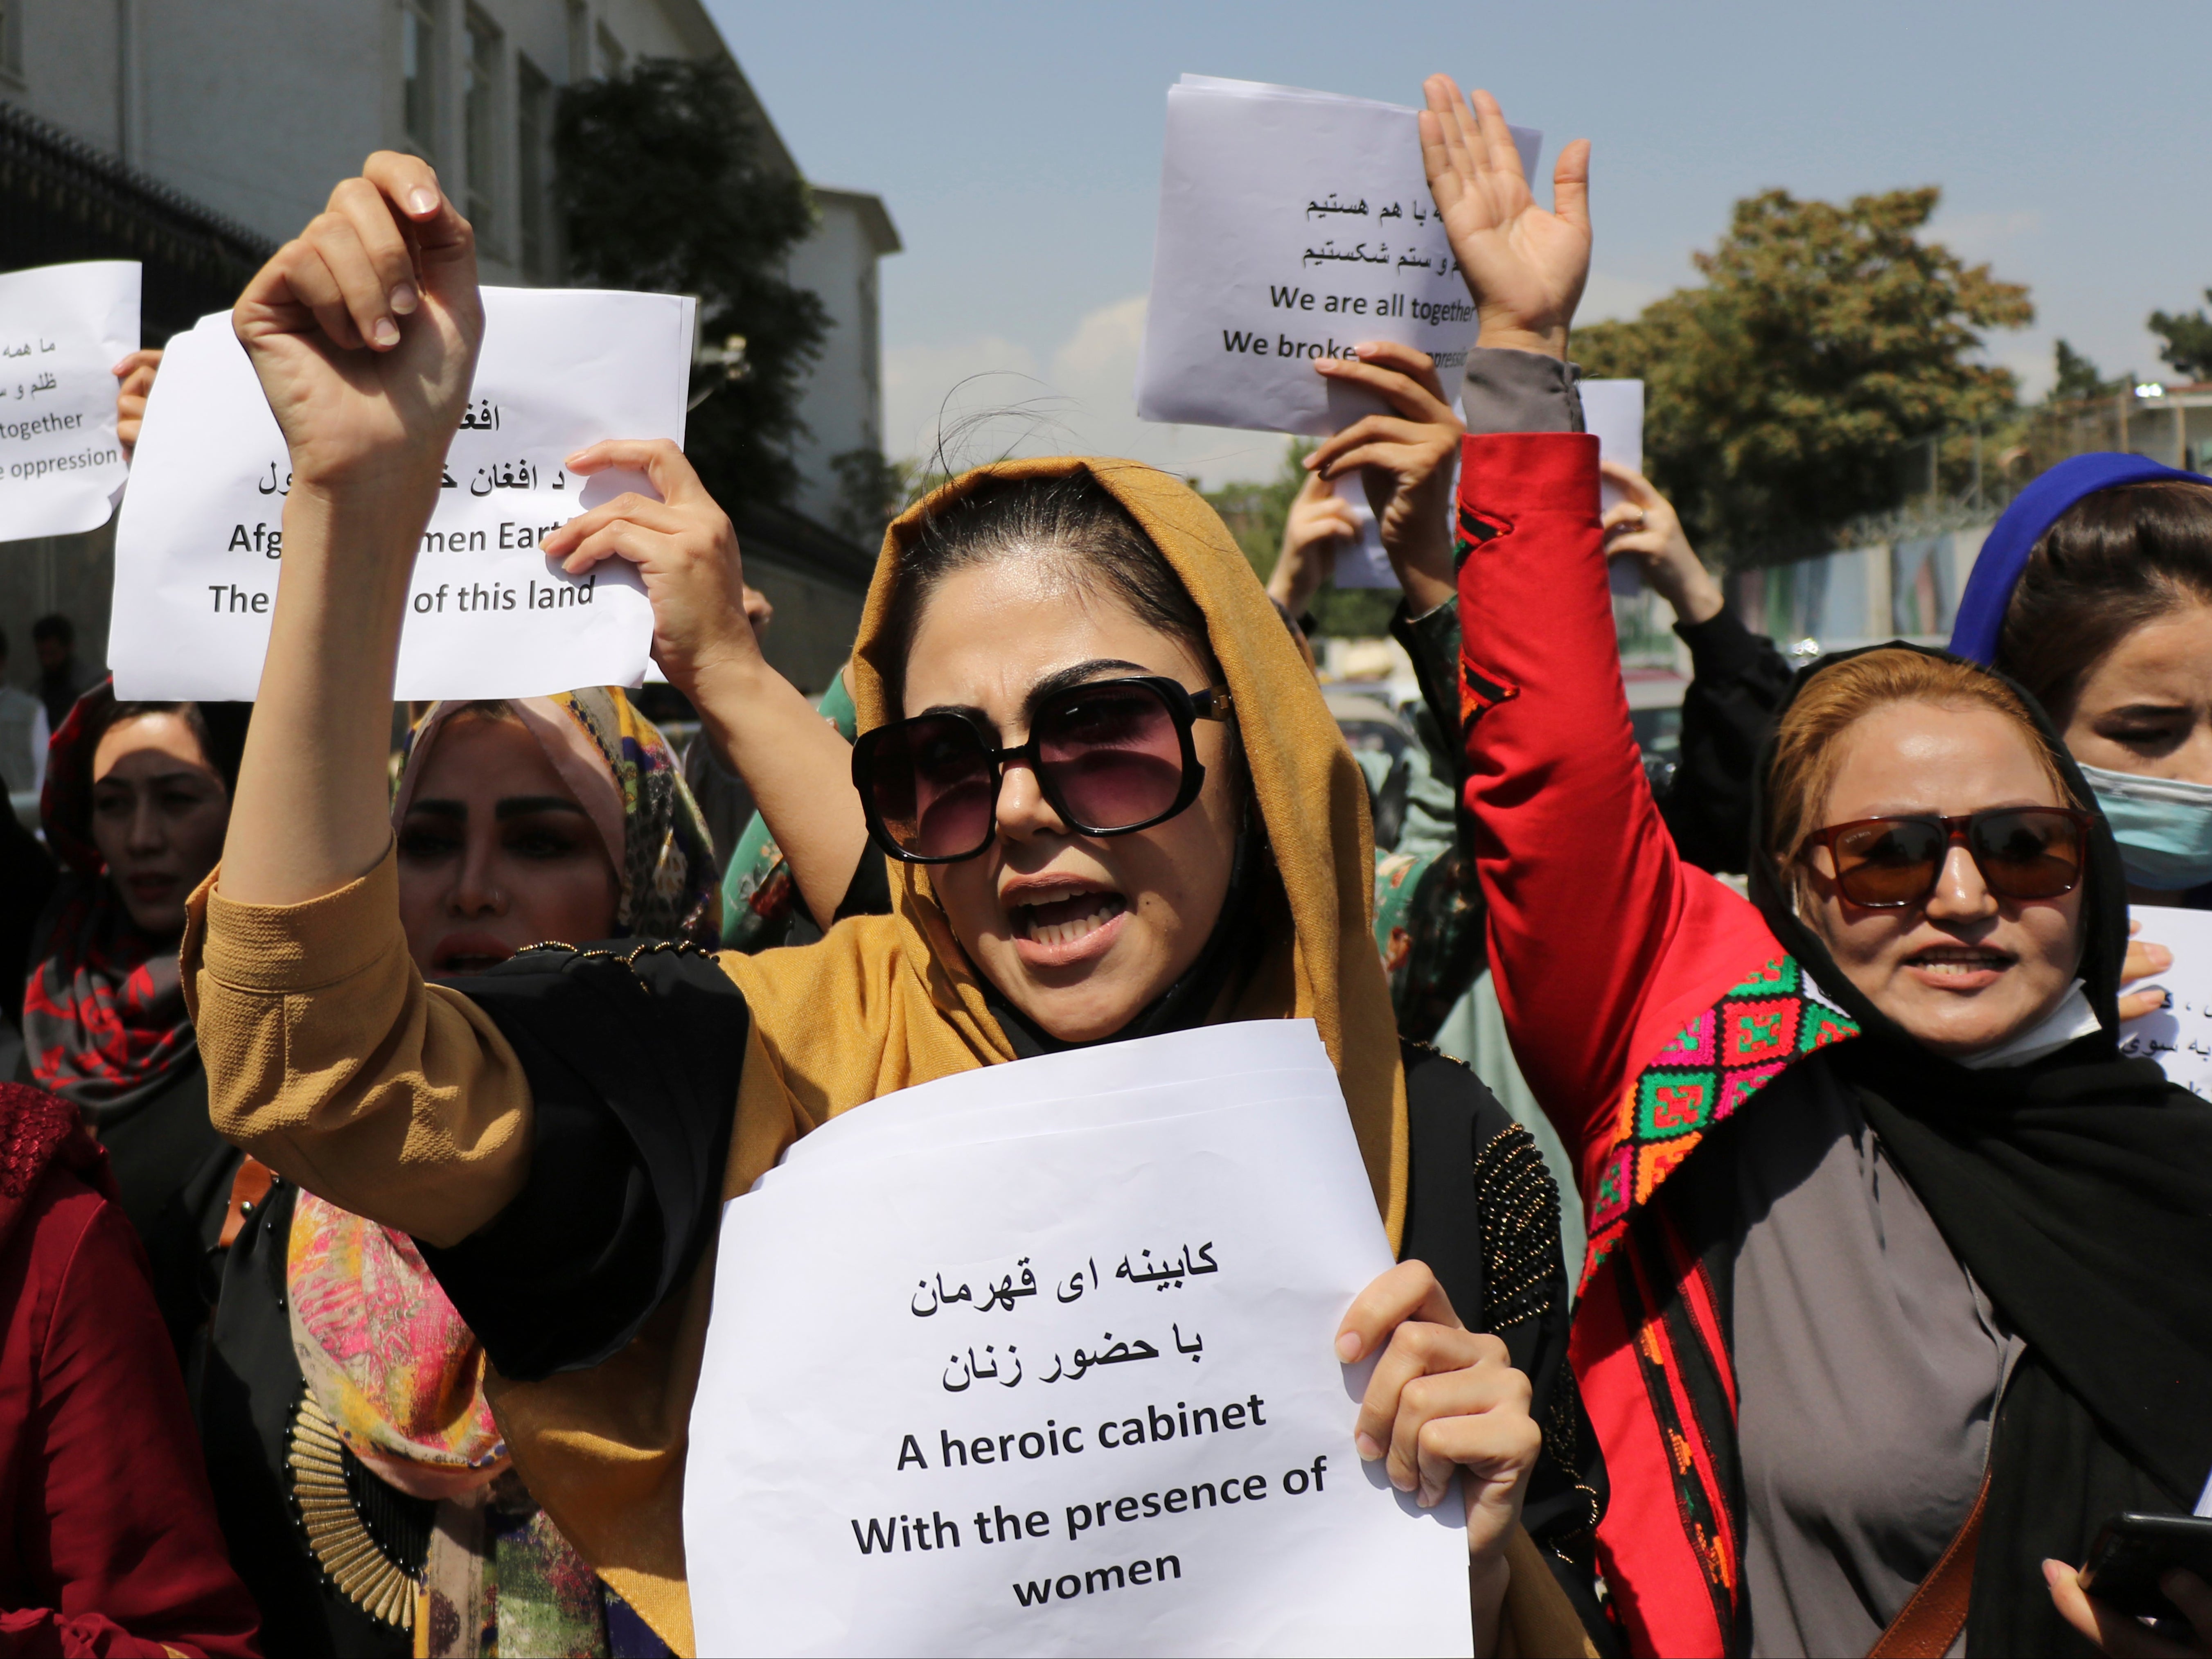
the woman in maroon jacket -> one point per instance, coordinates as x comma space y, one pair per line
110, 1544
1894, 1263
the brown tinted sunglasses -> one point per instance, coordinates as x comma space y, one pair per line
2022, 852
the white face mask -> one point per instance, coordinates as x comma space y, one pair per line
2163, 825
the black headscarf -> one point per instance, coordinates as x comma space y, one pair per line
2077, 1190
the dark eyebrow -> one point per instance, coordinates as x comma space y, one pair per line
522, 807
1067, 680
182, 770
1060, 679
513, 806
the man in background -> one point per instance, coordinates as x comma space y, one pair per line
62, 678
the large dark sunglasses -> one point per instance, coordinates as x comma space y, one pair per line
1111, 756
2022, 852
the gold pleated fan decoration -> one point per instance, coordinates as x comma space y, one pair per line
337, 1534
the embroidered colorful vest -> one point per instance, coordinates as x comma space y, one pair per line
1715, 1063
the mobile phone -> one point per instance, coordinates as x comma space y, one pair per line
2133, 1550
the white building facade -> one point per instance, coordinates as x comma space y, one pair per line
843, 405
251, 110
254, 108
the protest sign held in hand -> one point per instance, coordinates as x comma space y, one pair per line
2178, 1037
1293, 226
1361, 562
201, 537
63, 329
1038, 1359
1612, 412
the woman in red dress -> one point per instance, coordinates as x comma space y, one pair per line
108, 1542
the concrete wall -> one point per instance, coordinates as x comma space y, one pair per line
255, 109
1908, 589
68, 55
816, 619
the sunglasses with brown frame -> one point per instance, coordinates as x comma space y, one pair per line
1894, 863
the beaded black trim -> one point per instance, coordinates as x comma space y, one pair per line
628, 958
1520, 1254
1520, 1228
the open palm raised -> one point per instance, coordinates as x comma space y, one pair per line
1524, 267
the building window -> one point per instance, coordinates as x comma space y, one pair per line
533, 125
480, 109
418, 74
11, 39
613, 60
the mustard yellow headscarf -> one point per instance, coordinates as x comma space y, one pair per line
1309, 792
885, 1002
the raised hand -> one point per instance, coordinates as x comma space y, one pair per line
1319, 524
1646, 528
1407, 460
364, 330
705, 622
136, 373
1524, 267
683, 547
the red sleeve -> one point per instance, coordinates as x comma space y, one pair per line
118, 1526
1604, 942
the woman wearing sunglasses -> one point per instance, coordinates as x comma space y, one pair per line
1900, 1280
1115, 806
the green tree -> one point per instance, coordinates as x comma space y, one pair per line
1780, 392
1256, 512
872, 491
666, 182
2079, 379
2188, 337
1255, 515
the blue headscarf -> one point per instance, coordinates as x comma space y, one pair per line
2013, 537
2163, 825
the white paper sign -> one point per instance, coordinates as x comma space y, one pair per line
2179, 1036
63, 329
1612, 411
1293, 226
1037, 1360
487, 614
1361, 561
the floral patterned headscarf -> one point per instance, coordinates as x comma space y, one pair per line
388, 1360
626, 778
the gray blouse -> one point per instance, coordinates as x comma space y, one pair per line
1867, 1368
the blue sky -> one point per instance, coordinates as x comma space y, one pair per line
1018, 147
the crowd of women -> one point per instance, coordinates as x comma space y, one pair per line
380, 1099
